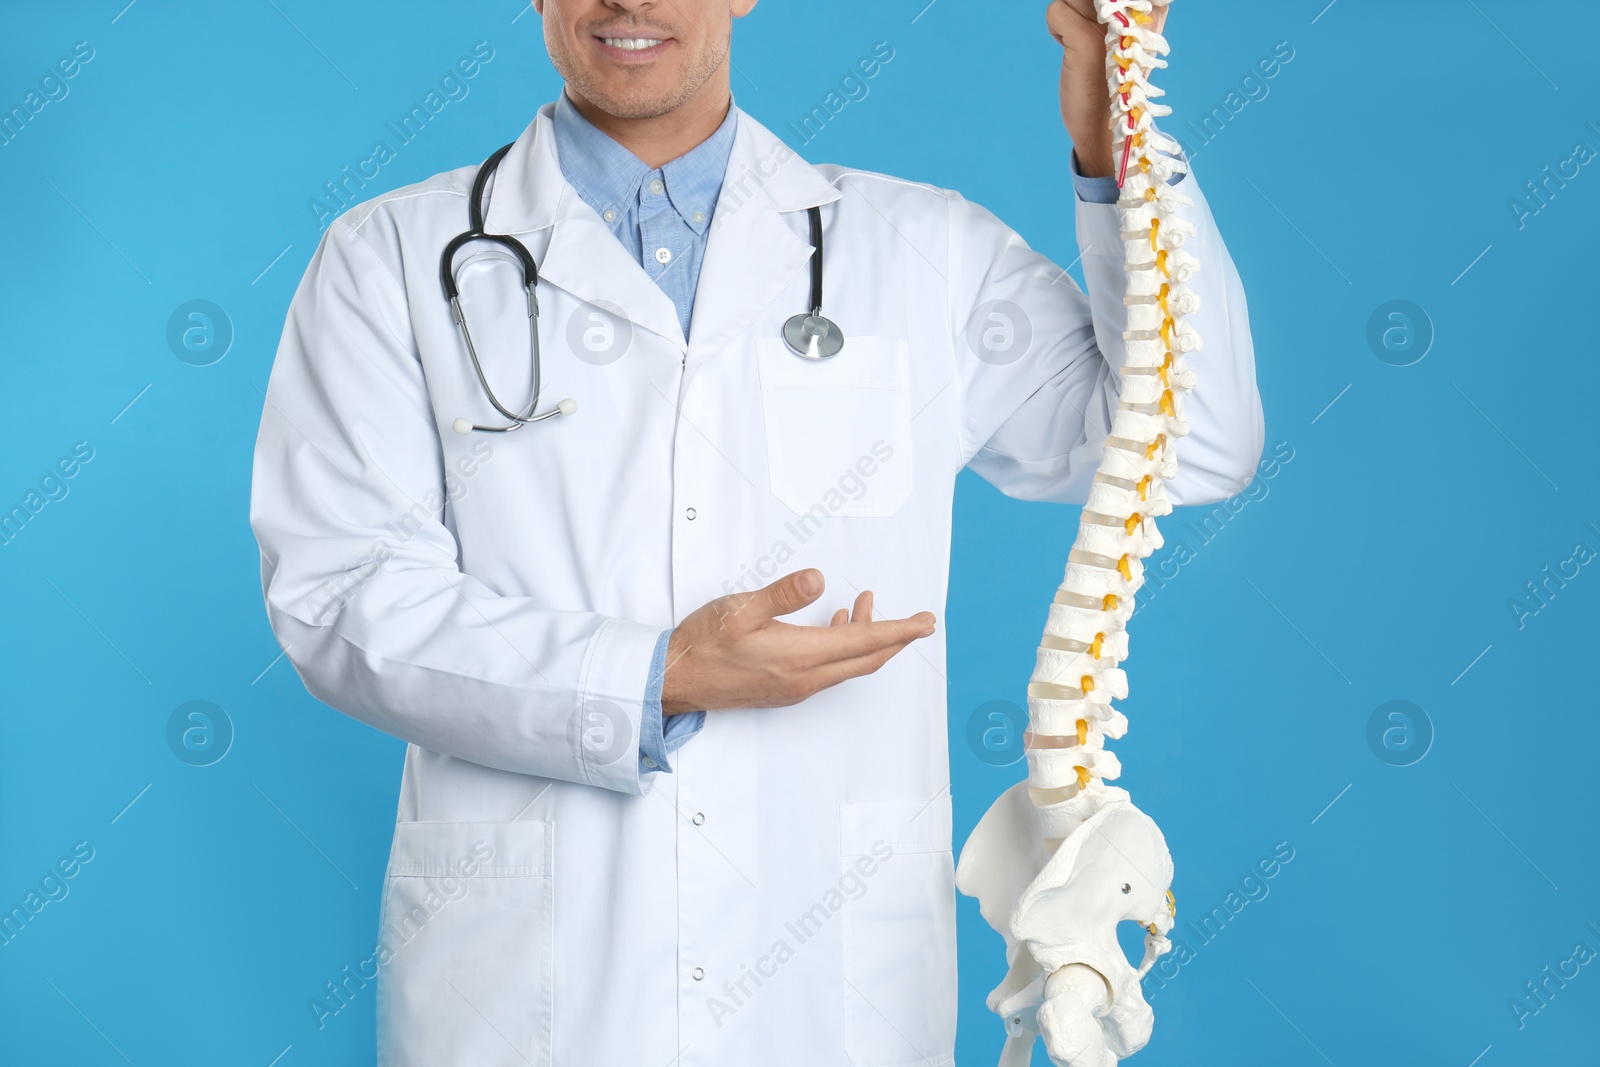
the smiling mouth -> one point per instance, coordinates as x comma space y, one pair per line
632, 44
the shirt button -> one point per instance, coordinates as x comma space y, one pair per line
610, 215
688, 513
657, 187
698, 818
663, 255
698, 216
698, 973
650, 763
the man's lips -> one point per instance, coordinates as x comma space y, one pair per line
632, 47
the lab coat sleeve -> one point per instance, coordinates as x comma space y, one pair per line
1038, 402
360, 575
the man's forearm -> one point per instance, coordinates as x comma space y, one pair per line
1085, 96
1084, 101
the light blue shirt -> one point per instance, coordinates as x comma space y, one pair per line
1091, 190
662, 216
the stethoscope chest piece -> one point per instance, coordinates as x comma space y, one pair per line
813, 336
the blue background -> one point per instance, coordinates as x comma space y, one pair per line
1380, 563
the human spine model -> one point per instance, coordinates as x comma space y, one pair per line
1062, 858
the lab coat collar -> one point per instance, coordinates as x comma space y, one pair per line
751, 257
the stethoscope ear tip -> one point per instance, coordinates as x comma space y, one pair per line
567, 406
462, 426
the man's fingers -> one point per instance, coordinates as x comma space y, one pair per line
1063, 16
791, 592
861, 613
831, 674
788, 594
818, 646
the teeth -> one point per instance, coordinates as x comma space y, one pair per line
632, 44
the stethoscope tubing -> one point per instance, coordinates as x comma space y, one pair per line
810, 336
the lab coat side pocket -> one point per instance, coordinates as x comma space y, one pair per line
899, 934
838, 429
466, 945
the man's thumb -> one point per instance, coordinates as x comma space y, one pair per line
791, 592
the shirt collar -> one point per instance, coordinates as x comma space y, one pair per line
605, 173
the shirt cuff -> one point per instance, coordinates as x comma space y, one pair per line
1092, 190
652, 743
657, 739
682, 727
1105, 190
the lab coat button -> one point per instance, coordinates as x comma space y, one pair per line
698, 818
688, 513
698, 973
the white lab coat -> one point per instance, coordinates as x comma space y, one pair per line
785, 896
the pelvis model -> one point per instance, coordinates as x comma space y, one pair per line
1062, 858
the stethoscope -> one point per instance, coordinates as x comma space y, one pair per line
814, 335
809, 335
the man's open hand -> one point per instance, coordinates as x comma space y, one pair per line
734, 653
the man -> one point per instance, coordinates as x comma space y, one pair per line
589, 869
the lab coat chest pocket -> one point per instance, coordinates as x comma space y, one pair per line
899, 933
838, 429
465, 945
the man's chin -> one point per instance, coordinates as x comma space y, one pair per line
636, 109
637, 102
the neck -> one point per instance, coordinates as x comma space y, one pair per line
662, 138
